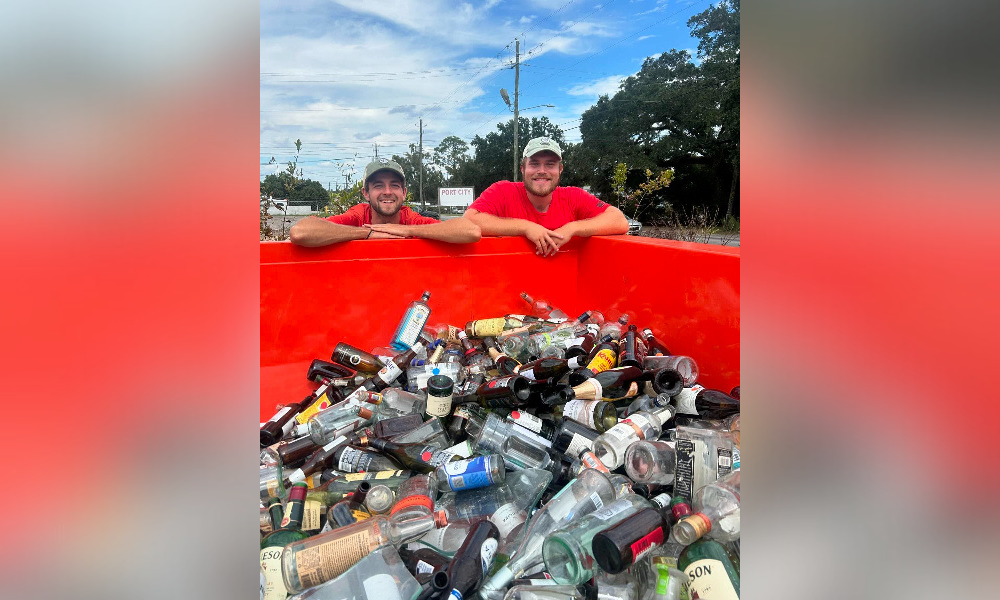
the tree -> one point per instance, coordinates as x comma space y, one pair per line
450, 155
433, 179
494, 159
309, 192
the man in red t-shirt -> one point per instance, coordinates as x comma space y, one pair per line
540, 210
383, 217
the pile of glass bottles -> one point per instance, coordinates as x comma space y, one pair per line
520, 457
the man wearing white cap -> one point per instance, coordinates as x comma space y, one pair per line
540, 210
382, 216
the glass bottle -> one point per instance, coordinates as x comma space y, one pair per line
287, 530
282, 423
348, 459
568, 552
644, 425
706, 403
615, 329
412, 324
595, 414
604, 357
685, 365
396, 403
473, 559
633, 349
473, 355
716, 513
547, 592
423, 561
439, 396
581, 347
541, 427
593, 388
572, 437
471, 473
654, 345
620, 546
505, 365
481, 328
380, 499
651, 461
416, 498
539, 341
421, 458
326, 422
590, 491
549, 368
510, 391
431, 433
541, 308
351, 509
392, 369
712, 570
312, 561
356, 358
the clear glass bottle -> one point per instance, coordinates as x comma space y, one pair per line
431, 432
412, 324
541, 308
685, 365
415, 498
328, 421
506, 505
651, 461
381, 575
716, 512
567, 552
643, 425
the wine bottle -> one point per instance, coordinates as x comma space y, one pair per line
537, 425
633, 349
287, 530
713, 571
581, 346
281, 423
654, 345
422, 562
593, 388
549, 368
318, 460
473, 560
706, 403
356, 358
511, 391
622, 545
595, 414
421, 458
408, 332
351, 509
481, 328
572, 437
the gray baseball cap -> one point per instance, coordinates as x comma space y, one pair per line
382, 164
541, 144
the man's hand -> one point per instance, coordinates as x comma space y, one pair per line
394, 230
545, 240
566, 233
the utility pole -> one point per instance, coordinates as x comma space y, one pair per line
517, 77
376, 150
420, 173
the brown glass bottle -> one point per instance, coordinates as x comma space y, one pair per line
605, 357
282, 422
505, 365
392, 369
355, 358
593, 388
654, 345
582, 346
421, 458
620, 546
706, 403
510, 391
632, 350
550, 367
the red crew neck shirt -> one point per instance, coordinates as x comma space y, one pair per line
509, 199
361, 214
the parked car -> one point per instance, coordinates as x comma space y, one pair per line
634, 227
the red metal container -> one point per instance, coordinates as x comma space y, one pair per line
356, 292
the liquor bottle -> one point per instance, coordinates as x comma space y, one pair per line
655, 346
495, 431
440, 389
272, 482
712, 570
281, 423
473, 355
329, 392
595, 414
416, 498
392, 369
286, 531
270, 515
620, 546
685, 365
356, 358
537, 342
421, 458
706, 403
541, 427
615, 329
568, 551
294, 453
572, 437
581, 346
651, 461
541, 308
481, 328
312, 561
470, 473
322, 372
716, 513
473, 560
386, 428
380, 499
318, 460
351, 509
431, 433
460, 417
542, 591
604, 357
338, 486
396, 403
549, 368
325, 422
735, 392
647, 402
511, 391
348, 459
412, 324
422, 562
633, 349
593, 388
505, 365
583, 495
643, 425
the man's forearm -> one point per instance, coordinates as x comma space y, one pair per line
610, 222
313, 231
455, 231
493, 225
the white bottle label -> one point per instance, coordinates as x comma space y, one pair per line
486, 553
581, 411
277, 416
463, 449
597, 500
708, 577
578, 444
390, 372
507, 517
347, 459
439, 406
685, 400
527, 420
270, 559
330, 446
736, 458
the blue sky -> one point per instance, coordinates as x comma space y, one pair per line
342, 75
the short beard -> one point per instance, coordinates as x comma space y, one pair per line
377, 207
545, 191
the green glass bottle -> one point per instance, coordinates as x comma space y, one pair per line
712, 570
287, 529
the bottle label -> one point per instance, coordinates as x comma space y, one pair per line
590, 460
577, 361
622, 433
616, 507
270, 561
684, 469
372, 475
646, 543
455, 595
633, 390
736, 458
439, 406
488, 327
529, 373
639, 423
578, 444
530, 436
435, 457
596, 499
311, 515
414, 322
487, 552
414, 500
334, 443
468, 474
709, 579
390, 372
463, 449
461, 412
686, 400
321, 403
661, 500
581, 411
507, 517
604, 360
725, 463
598, 388
323, 562
423, 567
272, 488
348, 459
527, 420
277, 416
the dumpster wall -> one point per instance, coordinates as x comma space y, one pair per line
356, 292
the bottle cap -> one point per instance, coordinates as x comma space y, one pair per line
298, 491
440, 385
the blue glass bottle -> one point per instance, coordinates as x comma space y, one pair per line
412, 324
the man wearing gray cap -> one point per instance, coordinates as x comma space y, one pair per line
383, 216
540, 210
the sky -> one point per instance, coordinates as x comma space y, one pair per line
345, 75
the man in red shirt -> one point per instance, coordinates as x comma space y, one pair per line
382, 217
540, 210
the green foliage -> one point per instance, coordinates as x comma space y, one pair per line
635, 202
495, 152
433, 178
451, 155
341, 200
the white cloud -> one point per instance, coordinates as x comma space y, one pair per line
526, 20
606, 85
645, 37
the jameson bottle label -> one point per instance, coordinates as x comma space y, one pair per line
270, 560
709, 579
684, 470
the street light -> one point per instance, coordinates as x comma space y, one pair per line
514, 109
